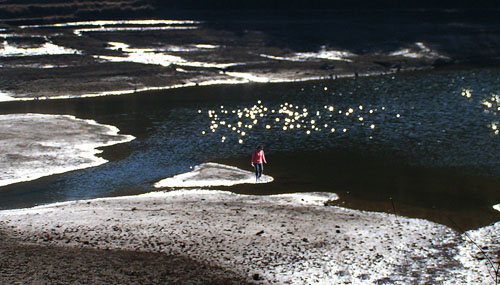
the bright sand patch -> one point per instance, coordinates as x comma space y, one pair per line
283, 238
47, 48
5, 96
212, 174
37, 145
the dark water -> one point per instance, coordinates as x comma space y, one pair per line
470, 35
431, 152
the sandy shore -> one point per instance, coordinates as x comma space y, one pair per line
290, 238
63, 144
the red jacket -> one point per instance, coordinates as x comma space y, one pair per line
258, 156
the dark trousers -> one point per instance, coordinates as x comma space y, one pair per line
258, 169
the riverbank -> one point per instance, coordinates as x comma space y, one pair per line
291, 238
101, 58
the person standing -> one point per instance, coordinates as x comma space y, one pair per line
258, 160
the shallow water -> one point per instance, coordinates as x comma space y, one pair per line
426, 139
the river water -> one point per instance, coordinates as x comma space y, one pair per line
422, 144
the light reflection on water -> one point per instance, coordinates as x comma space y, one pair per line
429, 123
288, 117
432, 120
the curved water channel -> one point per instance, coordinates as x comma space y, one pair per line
422, 144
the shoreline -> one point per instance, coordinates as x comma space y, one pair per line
61, 141
290, 238
285, 238
8, 97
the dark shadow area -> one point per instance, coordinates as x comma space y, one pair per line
39, 264
287, 5
372, 182
464, 35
